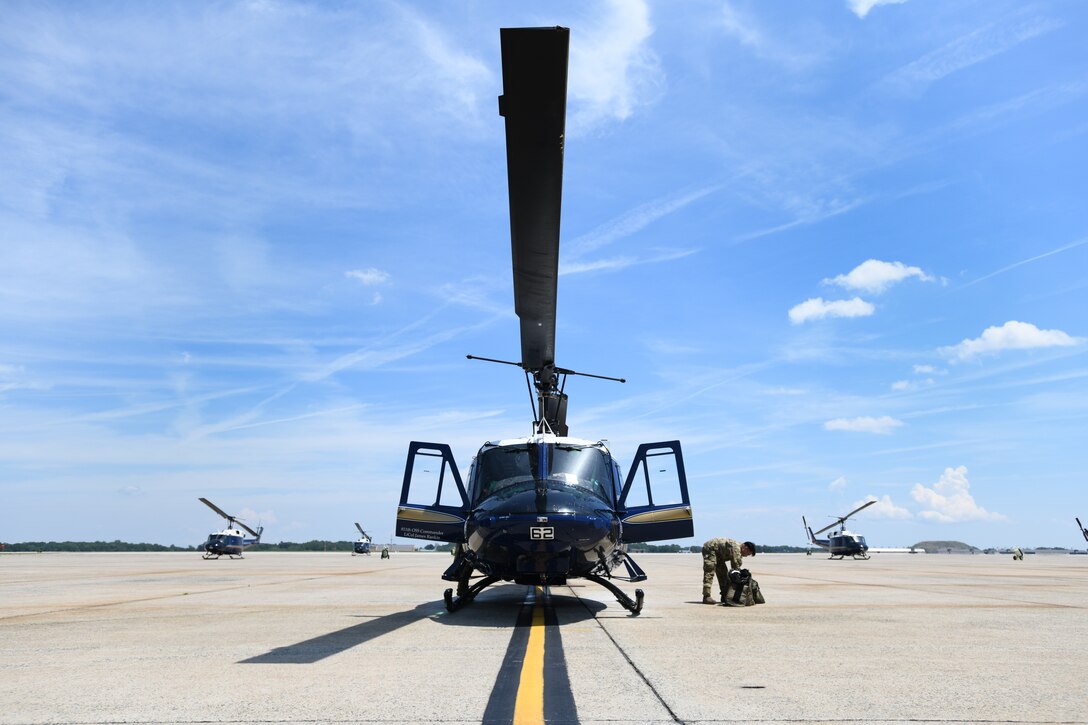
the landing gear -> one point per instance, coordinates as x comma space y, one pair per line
466, 593
634, 606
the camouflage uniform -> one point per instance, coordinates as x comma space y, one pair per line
719, 556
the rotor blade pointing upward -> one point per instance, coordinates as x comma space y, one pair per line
534, 104
842, 519
216, 509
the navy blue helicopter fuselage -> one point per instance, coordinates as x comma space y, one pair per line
543, 512
361, 547
229, 542
224, 545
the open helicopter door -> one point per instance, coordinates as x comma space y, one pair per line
654, 504
433, 502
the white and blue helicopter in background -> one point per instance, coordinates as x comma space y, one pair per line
841, 543
362, 544
230, 542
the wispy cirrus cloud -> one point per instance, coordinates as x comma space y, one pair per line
743, 27
632, 222
883, 425
618, 263
818, 308
950, 500
875, 276
861, 8
1013, 335
1044, 255
967, 50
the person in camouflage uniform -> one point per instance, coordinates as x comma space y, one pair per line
720, 556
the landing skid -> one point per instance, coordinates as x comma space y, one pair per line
634, 606
466, 593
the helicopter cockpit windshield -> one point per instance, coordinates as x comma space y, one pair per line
507, 470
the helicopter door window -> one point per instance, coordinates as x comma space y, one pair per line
656, 482
432, 482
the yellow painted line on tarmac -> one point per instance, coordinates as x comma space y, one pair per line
529, 706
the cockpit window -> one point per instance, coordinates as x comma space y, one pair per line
511, 469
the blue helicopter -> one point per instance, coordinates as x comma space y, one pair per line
362, 544
229, 542
546, 508
841, 543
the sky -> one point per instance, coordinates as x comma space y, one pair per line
838, 249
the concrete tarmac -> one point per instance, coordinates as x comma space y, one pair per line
328, 637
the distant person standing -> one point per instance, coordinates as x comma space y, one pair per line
720, 556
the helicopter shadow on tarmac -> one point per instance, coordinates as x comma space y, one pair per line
497, 607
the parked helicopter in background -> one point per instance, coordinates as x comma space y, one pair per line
230, 541
546, 508
362, 544
841, 543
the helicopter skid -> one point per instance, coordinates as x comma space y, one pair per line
465, 593
634, 606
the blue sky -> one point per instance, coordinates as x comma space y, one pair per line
839, 249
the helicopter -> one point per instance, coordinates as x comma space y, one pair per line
546, 508
841, 543
362, 544
230, 541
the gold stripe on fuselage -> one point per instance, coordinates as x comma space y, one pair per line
435, 517
680, 513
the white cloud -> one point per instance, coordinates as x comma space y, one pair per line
838, 484
884, 508
875, 276
861, 8
968, 50
1013, 335
632, 222
925, 369
617, 263
950, 500
612, 69
368, 276
901, 385
258, 518
864, 424
817, 308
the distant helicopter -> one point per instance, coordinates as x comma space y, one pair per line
362, 544
547, 508
841, 543
230, 541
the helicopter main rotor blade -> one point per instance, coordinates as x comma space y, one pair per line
251, 531
842, 519
216, 509
865, 505
361, 532
534, 104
